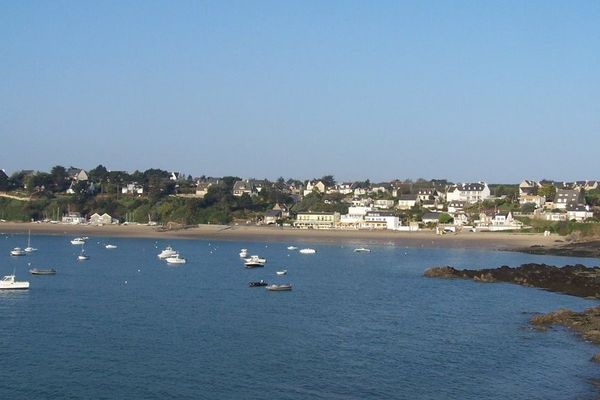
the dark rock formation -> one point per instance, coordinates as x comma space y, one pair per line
585, 323
590, 248
576, 280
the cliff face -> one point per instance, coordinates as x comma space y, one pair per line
576, 280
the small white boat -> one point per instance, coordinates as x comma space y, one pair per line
82, 256
110, 246
175, 260
362, 250
167, 252
254, 262
279, 288
292, 248
307, 251
243, 253
17, 251
280, 273
9, 283
78, 240
29, 249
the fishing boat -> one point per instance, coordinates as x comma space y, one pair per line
279, 288
39, 271
110, 246
29, 249
257, 283
362, 250
17, 251
9, 282
307, 251
243, 253
167, 252
175, 259
254, 262
281, 273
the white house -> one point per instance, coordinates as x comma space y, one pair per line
578, 212
317, 220
381, 220
244, 187
565, 198
104, 219
73, 218
407, 201
456, 206
384, 204
469, 192
345, 188
355, 216
77, 174
528, 187
539, 201
317, 186
132, 188
431, 217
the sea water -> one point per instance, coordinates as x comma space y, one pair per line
125, 325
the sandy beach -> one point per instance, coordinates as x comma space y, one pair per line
485, 240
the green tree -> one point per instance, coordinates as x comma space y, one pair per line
548, 191
446, 218
3, 181
328, 181
59, 178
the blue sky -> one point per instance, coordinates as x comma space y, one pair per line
471, 90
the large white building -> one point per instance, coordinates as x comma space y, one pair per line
381, 220
355, 216
469, 192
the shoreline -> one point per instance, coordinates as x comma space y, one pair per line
468, 240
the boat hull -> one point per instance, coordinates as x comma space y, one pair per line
279, 288
42, 271
254, 265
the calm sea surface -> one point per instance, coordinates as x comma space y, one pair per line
124, 325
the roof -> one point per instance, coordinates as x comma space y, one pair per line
407, 197
469, 187
431, 215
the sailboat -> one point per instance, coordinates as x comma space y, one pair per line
29, 249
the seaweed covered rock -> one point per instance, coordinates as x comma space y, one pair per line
576, 280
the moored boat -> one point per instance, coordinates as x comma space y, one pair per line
29, 249
292, 248
257, 283
307, 251
17, 251
82, 256
254, 262
362, 250
40, 271
167, 252
176, 260
281, 273
78, 241
110, 246
9, 282
279, 288
243, 253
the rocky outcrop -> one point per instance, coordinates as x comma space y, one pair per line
576, 280
587, 248
585, 323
